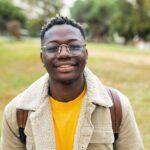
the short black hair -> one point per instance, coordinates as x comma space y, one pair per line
60, 20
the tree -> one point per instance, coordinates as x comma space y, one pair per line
97, 14
104, 17
46, 9
131, 20
9, 12
14, 28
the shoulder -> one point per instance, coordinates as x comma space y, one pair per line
116, 95
128, 117
124, 106
10, 108
12, 104
28, 97
9, 115
125, 103
129, 134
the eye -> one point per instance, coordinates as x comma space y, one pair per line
52, 49
75, 47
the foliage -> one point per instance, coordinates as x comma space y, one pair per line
104, 17
14, 29
47, 9
131, 20
9, 12
97, 14
34, 27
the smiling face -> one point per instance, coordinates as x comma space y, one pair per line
65, 66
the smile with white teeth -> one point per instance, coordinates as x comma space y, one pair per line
65, 66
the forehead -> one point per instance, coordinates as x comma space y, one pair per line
63, 33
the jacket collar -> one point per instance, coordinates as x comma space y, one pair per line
35, 95
96, 91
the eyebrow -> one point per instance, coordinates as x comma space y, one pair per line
68, 41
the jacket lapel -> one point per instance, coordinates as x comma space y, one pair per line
85, 127
42, 127
96, 91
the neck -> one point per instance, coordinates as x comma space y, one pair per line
66, 92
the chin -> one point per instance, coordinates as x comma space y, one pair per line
67, 82
66, 79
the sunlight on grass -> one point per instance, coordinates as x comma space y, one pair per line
123, 67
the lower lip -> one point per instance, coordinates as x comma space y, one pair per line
64, 69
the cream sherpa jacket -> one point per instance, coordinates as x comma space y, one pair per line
94, 130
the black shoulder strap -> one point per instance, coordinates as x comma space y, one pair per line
115, 110
22, 116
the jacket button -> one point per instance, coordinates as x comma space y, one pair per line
82, 146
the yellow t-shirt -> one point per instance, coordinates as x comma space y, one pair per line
65, 117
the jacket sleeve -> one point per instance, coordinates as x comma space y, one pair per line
9, 139
129, 135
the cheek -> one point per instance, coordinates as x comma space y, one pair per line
83, 58
48, 64
47, 59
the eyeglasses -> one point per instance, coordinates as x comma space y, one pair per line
71, 48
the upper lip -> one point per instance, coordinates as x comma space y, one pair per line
64, 63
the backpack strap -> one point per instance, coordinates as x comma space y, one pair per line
115, 110
22, 116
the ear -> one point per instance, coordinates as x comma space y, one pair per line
41, 56
86, 54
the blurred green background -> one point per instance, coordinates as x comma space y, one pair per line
118, 40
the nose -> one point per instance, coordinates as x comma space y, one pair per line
63, 52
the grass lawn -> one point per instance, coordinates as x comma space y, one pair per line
123, 67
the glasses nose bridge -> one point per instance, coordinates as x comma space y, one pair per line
66, 48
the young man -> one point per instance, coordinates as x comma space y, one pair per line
68, 108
